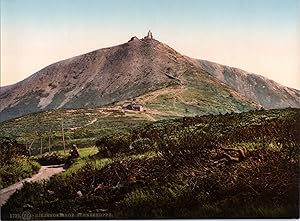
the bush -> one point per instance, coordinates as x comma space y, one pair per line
188, 176
51, 159
16, 170
110, 145
15, 164
9, 149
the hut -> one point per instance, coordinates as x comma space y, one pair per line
132, 106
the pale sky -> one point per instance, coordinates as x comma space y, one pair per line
259, 36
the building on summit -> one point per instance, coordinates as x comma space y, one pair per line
149, 35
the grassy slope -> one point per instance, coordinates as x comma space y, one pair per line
174, 168
84, 126
81, 126
196, 94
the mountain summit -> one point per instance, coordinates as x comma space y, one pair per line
123, 72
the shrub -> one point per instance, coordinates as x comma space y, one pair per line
51, 159
16, 170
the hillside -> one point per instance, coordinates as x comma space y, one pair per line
234, 165
94, 79
119, 73
263, 91
81, 126
136, 69
196, 96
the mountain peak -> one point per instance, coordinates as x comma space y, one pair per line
148, 36
133, 69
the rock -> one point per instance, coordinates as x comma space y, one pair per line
28, 206
79, 193
50, 192
134, 38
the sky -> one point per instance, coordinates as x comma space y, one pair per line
259, 36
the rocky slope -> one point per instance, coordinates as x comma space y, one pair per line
94, 79
138, 68
113, 74
265, 92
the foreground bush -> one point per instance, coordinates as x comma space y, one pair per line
15, 164
50, 159
263, 185
16, 170
197, 170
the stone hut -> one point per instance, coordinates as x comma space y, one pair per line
137, 107
132, 106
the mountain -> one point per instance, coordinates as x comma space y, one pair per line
264, 91
114, 74
156, 75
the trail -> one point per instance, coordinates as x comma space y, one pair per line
89, 123
44, 173
150, 117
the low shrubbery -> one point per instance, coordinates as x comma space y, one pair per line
51, 159
15, 165
16, 170
195, 170
10, 148
264, 185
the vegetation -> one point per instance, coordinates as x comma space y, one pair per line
15, 165
196, 94
43, 131
234, 165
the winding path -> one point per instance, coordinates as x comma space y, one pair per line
44, 173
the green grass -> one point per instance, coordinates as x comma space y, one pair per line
83, 152
178, 169
198, 100
86, 156
16, 170
82, 162
34, 127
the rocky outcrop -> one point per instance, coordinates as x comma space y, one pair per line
134, 38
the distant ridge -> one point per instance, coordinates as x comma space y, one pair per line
260, 89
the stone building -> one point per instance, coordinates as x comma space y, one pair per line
149, 35
133, 106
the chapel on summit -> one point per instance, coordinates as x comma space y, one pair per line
149, 35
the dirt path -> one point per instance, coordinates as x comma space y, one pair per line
89, 123
150, 117
44, 173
